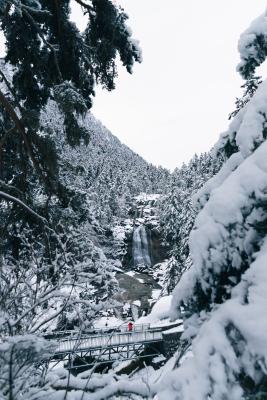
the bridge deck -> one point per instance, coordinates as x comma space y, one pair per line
107, 340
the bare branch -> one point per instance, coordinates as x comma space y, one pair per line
8, 85
12, 113
38, 303
112, 389
11, 189
51, 317
84, 5
13, 199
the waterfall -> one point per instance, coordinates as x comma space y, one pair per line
141, 254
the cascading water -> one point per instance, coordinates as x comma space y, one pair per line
141, 253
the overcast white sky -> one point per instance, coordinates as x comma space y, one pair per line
177, 101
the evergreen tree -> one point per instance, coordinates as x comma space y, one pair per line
178, 213
172, 275
52, 59
250, 87
224, 292
48, 58
53, 274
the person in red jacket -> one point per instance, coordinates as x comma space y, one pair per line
130, 326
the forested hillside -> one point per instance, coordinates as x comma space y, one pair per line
178, 212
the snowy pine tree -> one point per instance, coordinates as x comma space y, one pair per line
53, 273
224, 292
178, 213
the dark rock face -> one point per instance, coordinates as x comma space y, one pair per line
170, 343
136, 287
158, 251
142, 253
127, 261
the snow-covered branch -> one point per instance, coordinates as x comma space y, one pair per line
15, 200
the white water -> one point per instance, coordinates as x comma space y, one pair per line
141, 255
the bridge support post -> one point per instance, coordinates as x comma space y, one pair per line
170, 343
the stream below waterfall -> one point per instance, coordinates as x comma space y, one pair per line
139, 288
143, 260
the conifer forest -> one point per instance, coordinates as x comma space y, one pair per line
120, 279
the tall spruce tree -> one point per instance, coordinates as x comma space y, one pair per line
47, 58
224, 292
178, 213
249, 87
50, 58
52, 274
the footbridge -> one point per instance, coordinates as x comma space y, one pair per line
106, 346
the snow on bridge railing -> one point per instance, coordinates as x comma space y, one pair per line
100, 331
83, 343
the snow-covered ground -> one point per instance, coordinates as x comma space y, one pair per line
144, 197
107, 322
160, 311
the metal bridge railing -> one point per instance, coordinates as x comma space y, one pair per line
98, 331
108, 340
